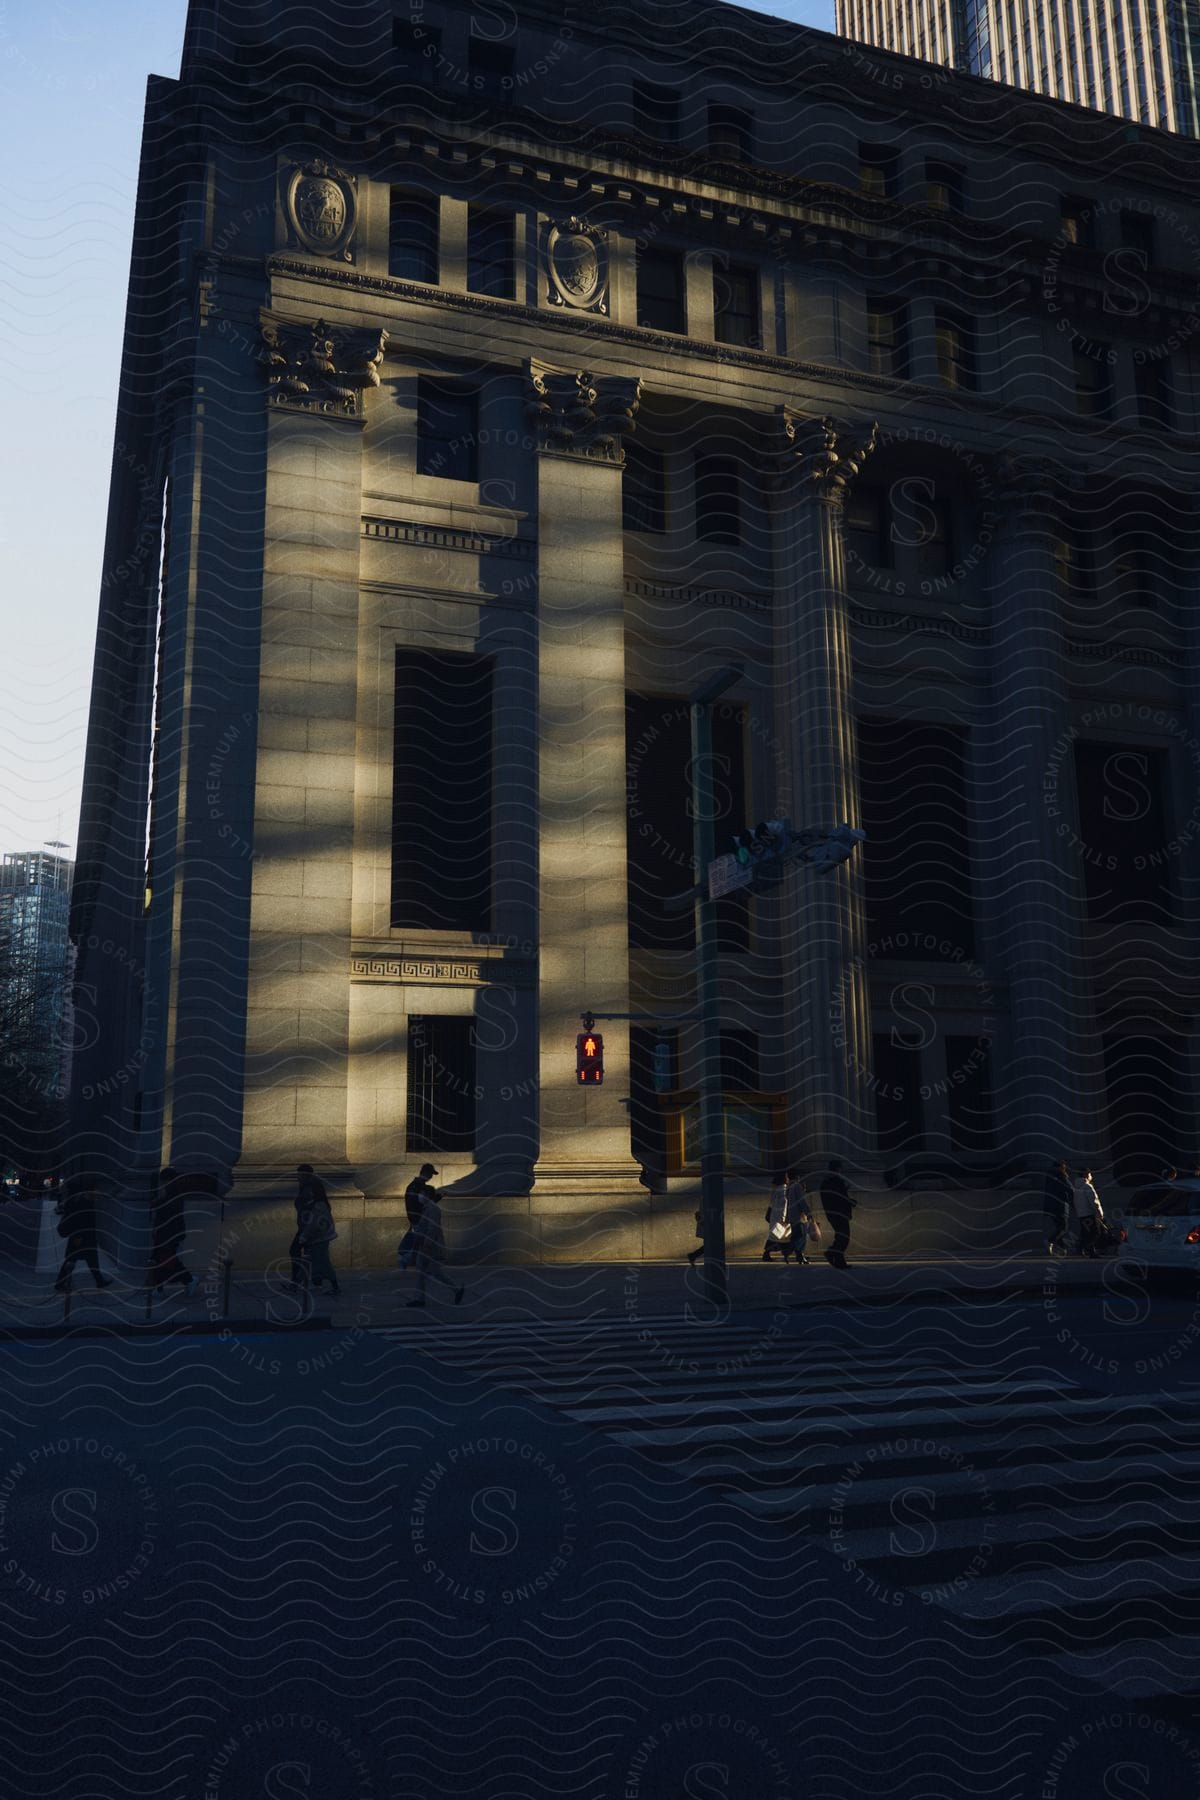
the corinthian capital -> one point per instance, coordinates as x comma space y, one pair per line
825, 451
581, 414
319, 367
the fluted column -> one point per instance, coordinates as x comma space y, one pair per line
827, 1004
584, 1162
1050, 1100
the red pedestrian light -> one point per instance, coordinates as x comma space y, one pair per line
589, 1059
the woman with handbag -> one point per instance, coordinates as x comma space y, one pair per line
780, 1224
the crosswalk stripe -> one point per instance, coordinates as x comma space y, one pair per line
935, 1387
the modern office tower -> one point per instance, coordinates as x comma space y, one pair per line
483, 399
1139, 62
36, 960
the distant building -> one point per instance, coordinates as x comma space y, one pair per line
1137, 62
36, 963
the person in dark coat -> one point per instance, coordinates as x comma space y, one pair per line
77, 1224
317, 1232
839, 1203
309, 1188
168, 1228
1056, 1204
416, 1194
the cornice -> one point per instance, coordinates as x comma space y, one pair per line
739, 600
421, 534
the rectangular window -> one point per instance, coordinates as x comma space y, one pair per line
1137, 233
1076, 223
878, 170
739, 1062
887, 350
1093, 381
490, 66
661, 301
730, 134
944, 186
718, 500
658, 757
442, 791
644, 488
1123, 821
916, 860
447, 429
491, 253
1152, 384
866, 535
934, 547
736, 305
415, 50
954, 349
413, 235
442, 1090
656, 111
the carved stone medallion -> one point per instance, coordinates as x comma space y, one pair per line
577, 264
322, 209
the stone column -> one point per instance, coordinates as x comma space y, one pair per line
1051, 1102
298, 1003
584, 1163
827, 1005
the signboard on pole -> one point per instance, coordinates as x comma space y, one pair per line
726, 874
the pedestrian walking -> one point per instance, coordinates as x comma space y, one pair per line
430, 1246
317, 1232
699, 1250
839, 1203
1088, 1211
1056, 1207
309, 1187
76, 1208
168, 1228
800, 1215
780, 1229
416, 1194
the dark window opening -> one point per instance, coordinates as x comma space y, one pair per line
1125, 835
442, 1089
658, 750
1137, 234
661, 302
943, 186
1076, 228
644, 488
899, 1113
887, 348
730, 133
739, 1062
1093, 380
442, 791
490, 66
447, 430
867, 538
878, 167
718, 500
916, 859
413, 236
969, 1105
933, 542
491, 253
656, 111
415, 50
955, 352
736, 306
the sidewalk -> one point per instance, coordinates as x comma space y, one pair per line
500, 1294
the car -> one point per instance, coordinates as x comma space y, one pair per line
1161, 1227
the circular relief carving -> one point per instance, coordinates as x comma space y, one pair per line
321, 209
578, 266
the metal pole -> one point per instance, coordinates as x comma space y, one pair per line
226, 1281
712, 1124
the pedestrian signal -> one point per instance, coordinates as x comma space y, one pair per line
589, 1059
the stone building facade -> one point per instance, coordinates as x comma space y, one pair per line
490, 382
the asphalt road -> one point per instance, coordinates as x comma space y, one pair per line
904, 1550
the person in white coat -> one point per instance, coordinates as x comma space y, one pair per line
1088, 1211
429, 1244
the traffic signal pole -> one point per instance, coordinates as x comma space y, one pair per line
712, 1123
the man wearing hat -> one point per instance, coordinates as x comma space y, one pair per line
416, 1194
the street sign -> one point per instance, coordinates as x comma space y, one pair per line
726, 874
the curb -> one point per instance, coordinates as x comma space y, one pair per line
184, 1328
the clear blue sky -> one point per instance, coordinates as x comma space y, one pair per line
72, 80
